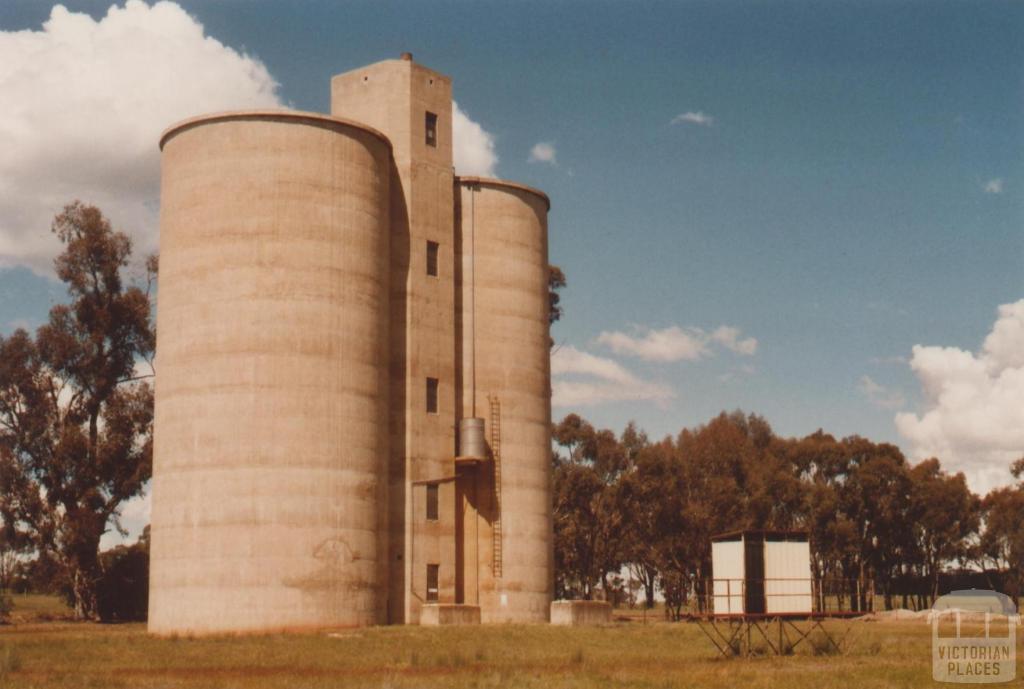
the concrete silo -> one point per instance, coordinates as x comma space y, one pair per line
271, 406
505, 505
353, 401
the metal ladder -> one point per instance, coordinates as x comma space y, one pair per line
496, 453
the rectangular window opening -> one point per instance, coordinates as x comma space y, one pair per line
431, 129
432, 248
431, 395
432, 576
432, 502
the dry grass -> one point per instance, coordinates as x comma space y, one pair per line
633, 654
33, 607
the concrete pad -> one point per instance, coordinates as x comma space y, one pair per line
436, 614
580, 613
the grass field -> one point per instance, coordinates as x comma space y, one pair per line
47, 653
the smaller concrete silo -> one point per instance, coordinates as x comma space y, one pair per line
502, 336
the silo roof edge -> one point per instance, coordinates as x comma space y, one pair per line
494, 182
268, 114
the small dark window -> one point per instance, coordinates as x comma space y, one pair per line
431, 395
431, 129
432, 572
432, 502
432, 258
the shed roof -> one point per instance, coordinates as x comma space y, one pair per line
762, 534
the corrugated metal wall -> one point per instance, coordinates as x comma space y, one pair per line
787, 573
727, 564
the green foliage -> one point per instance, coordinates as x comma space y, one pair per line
75, 418
874, 520
123, 590
556, 282
1002, 541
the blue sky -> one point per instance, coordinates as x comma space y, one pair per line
838, 181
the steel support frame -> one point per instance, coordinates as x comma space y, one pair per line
733, 636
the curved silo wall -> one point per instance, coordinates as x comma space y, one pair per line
271, 401
503, 296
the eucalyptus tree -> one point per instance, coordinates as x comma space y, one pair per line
75, 417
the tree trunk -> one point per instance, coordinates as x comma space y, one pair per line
81, 558
650, 575
84, 575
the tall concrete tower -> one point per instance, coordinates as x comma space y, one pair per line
353, 407
412, 106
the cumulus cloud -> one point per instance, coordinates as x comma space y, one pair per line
84, 102
676, 344
543, 152
881, 396
583, 379
993, 186
670, 344
473, 147
973, 418
697, 118
729, 337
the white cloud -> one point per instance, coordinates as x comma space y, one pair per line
729, 337
670, 344
973, 419
993, 186
697, 118
83, 106
881, 396
604, 380
543, 152
473, 147
84, 102
675, 343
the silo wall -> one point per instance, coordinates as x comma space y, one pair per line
269, 490
503, 305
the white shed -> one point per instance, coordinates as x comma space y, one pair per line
762, 573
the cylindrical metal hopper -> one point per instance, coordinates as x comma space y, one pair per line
471, 438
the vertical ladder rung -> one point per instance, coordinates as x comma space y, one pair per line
496, 453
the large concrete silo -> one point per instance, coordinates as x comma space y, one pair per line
502, 336
269, 507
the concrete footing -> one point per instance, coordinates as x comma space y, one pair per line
580, 613
435, 614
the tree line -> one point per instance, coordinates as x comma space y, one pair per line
876, 522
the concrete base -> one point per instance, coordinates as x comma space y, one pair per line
580, 613
435, 614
